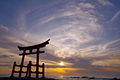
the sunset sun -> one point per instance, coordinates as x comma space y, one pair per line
61, 63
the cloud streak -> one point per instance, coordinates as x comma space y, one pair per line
105, 2
117, 14
2, 27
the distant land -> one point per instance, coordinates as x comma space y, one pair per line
64, 78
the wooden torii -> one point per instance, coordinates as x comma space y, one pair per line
28, 51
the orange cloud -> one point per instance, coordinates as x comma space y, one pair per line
112, 69
62, 71
5, 70
56, 63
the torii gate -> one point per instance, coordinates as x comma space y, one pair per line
27, 51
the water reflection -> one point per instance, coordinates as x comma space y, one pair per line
79, 78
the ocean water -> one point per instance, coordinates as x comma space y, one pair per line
78, 78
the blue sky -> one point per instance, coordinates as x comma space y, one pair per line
84, 34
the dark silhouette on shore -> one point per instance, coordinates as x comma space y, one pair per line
28, 50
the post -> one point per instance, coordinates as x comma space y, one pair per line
27, 72
43, 70
37, 63
22, 62
12, 74
29, 68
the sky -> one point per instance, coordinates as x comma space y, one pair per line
85, 35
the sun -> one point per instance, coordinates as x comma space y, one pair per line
61, 63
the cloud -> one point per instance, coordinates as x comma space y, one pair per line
86, 5
6, 56
68, 35
112, 69
107, 62
117, 14
102, 49
2, 27
10, 37
4, 52
75, 31
4, 70
64, 71
105, 2
91, 51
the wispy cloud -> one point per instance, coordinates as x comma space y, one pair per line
76, 30
86, 5
105, 2
102, 49
117, 14
6, 56
6, 52
2, 27
107, 62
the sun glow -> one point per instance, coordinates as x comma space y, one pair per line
61, 63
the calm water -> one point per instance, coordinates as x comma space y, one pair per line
83, 79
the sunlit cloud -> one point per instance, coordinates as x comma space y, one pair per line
63, 71
62, 63
4, 51
5, 70
107, 62
112, 69
56, 63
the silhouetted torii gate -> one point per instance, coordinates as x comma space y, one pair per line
27, 51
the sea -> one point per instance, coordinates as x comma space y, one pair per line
85, 78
